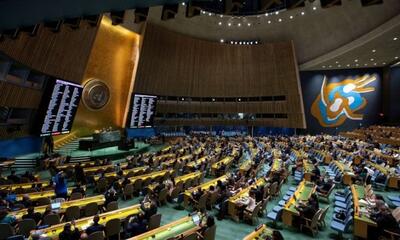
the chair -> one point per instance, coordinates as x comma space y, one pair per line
51, 219
137, 185
274, 189
75, 196
43, 201
72, 212
146, 182
201, 205
154, 222
101, 185
99, 235
6, 230
252, 216
113, 227
162, 196
209, 233
111, 206
128, 191
187, 184
321, 219
392, 235
91, 209
192, 236
263, 207
311, 224
26, 226
342, 226
327, 195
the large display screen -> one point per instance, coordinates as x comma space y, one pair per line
143, 108
58, 108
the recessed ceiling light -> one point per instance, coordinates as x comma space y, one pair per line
280, 20
384, 63
396, 58
366, 64
209, 14
229, 24
314, 8
372, 59
249, 24
302, 13
291, 17
357, 65
356, 60
221, 16
330, 66
337, 62
375, 64
239, 24
348, 65
339, 65
266, 14
395, 39
183, 4
323, 66
269, 22
221, 40
276, 13
373, 50
220, 23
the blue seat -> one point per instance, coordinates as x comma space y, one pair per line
282, 203
341, 204
394, 198
397, 204
277, 209
293, 189
286, 197
342, 226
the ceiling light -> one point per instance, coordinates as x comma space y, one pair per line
229, 24
323, 66
239, 99
373, 50
221, 16
249, 24
375, 64
291, 17
269, 22
357, 65
276, 13
302, 13
372, 59
256, 42
339, 65
213, 99
384, 63
330, 66
356, 60
209, 14
314, 8
280, 19
348, 65
366, 64
396, 58
395, 39
266, 14
221, 40
239, 24
183, 4
337, 62
220, 23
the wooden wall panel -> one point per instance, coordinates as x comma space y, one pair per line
19, 97
172, 64
63, 54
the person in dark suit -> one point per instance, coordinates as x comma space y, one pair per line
31, 214
68, 233
95, 227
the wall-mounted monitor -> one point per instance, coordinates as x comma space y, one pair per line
58, 107
142, 111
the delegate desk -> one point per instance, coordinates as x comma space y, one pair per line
44, 194
302, 193
393, 179
101, 140
196, 163
6, 164
83, 223
124, 172
277, 165
226, 161
233, 201
99, 199
205, 187
91, 170
361, 219
180, 228
13, 187
347, 172
245, 166
152, 175
173, 161
186, 177
261, 232
308, 170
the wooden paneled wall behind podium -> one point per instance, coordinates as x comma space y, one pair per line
112, 61
172, 64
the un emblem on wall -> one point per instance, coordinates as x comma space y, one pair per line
96, 94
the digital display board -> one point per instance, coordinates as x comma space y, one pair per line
58, 108
143, 108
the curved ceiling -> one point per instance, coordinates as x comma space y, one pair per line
315, 31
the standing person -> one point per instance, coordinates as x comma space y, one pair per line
60, 183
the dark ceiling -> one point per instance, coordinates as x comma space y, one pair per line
17, 13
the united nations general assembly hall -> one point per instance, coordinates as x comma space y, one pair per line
199, 119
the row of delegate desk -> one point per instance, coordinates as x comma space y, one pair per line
362, 222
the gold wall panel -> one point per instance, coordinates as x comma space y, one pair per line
112, 61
